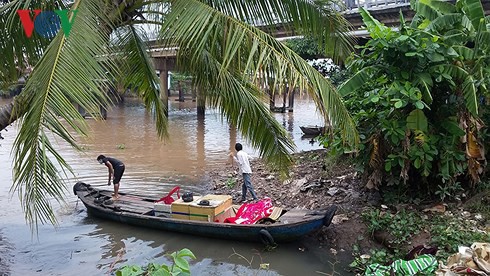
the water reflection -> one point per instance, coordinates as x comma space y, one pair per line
87, 245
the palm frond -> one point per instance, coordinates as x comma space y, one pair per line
253, 56
138, 71
243, 106
19, 51
317, 19
69, 72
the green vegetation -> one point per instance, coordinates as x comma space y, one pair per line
230, 182
180, 266
306, 48
418, 97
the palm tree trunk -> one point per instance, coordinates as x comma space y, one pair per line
7, 114
6, 117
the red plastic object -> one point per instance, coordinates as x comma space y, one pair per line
168, 199
250, 213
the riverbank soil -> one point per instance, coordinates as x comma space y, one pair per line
317, 184
312, 185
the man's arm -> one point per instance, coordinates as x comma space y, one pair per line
234, 158
111, 171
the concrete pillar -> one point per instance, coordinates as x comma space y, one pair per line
181, 91
164, 89
284, 98
201, 104
272, 102
200, 144
194, 93
291, 100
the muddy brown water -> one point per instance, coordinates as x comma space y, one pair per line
84, 245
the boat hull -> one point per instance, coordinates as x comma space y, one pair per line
282, 231
312, 130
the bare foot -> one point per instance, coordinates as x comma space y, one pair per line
114, 197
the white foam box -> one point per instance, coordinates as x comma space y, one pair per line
162, 209
217, 205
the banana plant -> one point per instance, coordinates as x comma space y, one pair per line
417, 90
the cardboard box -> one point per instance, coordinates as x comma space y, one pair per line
217, 206
180, 209
230, 212
162, 209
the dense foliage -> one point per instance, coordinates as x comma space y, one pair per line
306, 47
419, 96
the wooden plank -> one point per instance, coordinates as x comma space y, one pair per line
129, 208
292, 216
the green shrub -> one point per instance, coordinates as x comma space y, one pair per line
417, 96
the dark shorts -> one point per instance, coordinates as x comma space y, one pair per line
118, 172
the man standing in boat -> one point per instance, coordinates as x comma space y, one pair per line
243, 162
116, 170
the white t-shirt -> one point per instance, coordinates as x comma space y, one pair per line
243, 162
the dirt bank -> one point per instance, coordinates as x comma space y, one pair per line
313, 185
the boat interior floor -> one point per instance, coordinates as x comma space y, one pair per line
145, 206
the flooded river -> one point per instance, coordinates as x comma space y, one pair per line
84, 245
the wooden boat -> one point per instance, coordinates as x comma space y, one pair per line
139, 210
312, 130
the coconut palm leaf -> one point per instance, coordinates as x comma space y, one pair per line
307, 17
20, 51
138, 71
242, 104
252, 55
67, 73
240, 57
